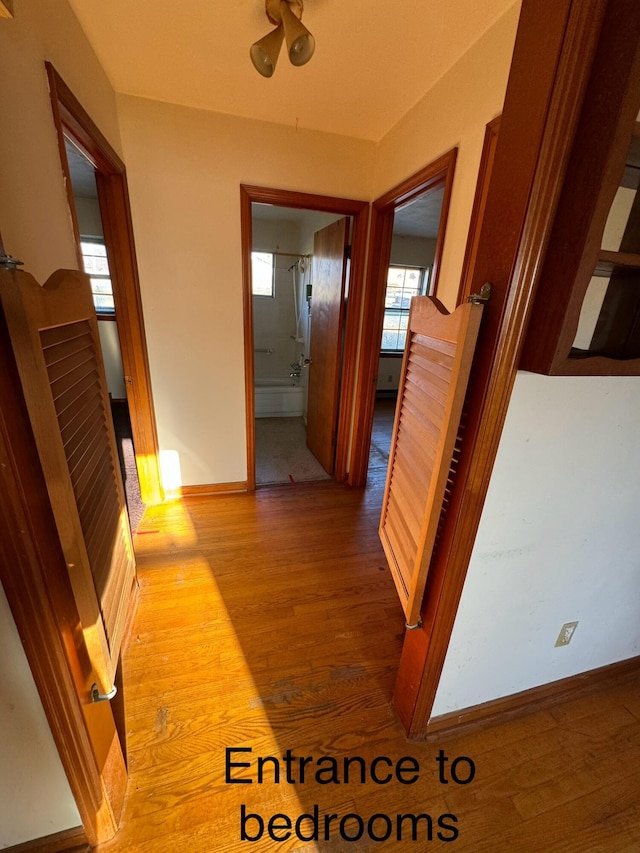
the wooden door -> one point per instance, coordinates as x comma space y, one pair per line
435, 371
327, 315
54, 335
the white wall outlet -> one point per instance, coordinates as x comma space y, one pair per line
566, 633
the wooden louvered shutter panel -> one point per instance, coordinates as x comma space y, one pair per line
435, 371
54, 335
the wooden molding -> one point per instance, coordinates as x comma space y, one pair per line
536, 129
6, 8
595, 168
67, 841
246, 231
479, 204
205, 490
498, 711
359, 211
437, 174
72, 120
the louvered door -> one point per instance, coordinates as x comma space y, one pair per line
54, 335
435, 372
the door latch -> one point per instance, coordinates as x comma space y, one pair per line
96, 696
483, 296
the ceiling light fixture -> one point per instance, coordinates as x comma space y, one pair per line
286, 15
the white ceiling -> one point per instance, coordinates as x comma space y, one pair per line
373, 61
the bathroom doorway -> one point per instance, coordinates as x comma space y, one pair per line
290, 422
297, 246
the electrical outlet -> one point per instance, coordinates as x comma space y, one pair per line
566, 633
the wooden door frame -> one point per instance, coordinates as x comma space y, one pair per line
359, 211
536, 133
435, 175
72, 120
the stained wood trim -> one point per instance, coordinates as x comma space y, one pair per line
623, 259
348, 421
81, 126
438, 173
210, 489
479, 203
596, 167
34, 576
359, 211
67, 841
537, 126
72, 120
6, 8
246, 230
498, 711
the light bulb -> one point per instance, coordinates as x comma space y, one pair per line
302, 49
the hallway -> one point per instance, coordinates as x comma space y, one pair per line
270, 622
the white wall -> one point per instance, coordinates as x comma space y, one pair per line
412, 251
35, 799
389, 370
559, 541
34, 212
274, 318
112, 357
185, 167
89, 218
454, 113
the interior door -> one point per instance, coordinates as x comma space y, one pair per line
54, 335
327, 315
435, 372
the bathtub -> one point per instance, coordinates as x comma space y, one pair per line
278, 398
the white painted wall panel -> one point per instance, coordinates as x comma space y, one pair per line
559, 541
35, 798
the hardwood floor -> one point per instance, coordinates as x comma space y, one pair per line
270, 622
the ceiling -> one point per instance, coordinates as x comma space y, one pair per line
373, 60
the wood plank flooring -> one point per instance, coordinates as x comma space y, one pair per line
270, 622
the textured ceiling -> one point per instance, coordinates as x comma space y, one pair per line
373, 61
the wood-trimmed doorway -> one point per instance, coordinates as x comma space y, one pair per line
73, 122
435, 176
359, 211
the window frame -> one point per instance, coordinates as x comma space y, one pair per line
423, 289
271, 295
96, 240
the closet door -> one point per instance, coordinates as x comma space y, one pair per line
54, 335
435, 371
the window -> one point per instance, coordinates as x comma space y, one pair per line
402, 284
96, 265
262, 274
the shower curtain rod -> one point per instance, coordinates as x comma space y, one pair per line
291, 255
